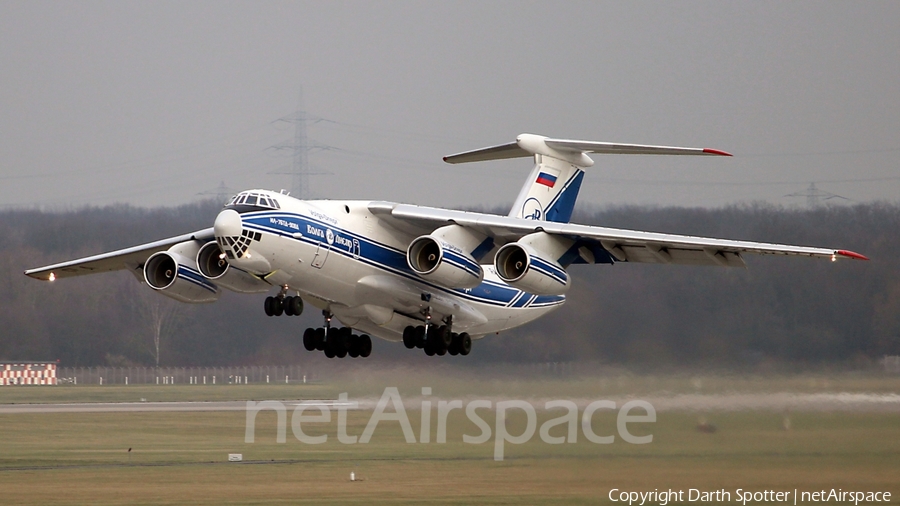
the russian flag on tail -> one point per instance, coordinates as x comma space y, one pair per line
546, 179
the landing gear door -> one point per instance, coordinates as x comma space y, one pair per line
321, 255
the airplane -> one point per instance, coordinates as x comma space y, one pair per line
435, 279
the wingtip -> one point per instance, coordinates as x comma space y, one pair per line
716, 152
39, 276
851, 254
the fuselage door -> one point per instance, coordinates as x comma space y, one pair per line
321, 255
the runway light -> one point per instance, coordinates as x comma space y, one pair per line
52, 277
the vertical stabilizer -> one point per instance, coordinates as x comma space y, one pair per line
550, 191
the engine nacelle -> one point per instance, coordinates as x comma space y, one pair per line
174, 274
444, 263
530, 264
211, 262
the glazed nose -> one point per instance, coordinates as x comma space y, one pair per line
228, 224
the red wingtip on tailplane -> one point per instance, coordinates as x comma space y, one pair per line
716, 152
850, 254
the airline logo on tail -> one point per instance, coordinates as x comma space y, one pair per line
532, 210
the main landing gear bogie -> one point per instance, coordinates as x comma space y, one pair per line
337, 342
437, 340
290, 306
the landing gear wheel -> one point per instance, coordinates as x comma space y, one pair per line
365, 345
409, 337
320, 339
354, 346
333, 340
293, 306
268, 306
453, 349
420, 336
345, 338
465, 343
277, 306
309, 339
288, 304
329, 351
429, 350
443, 336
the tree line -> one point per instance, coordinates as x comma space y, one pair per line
779, 310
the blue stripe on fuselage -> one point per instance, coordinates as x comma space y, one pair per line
379, 255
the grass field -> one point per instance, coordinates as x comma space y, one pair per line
83, 458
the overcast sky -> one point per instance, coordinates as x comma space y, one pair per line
151, 103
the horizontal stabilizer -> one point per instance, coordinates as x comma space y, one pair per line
501, 152
627, 149
573, 151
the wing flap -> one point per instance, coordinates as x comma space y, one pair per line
681, 256
128, 258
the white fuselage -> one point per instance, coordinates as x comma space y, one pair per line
343, 258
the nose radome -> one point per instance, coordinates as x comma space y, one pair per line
228, 224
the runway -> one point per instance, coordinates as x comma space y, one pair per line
123, 407
780, 401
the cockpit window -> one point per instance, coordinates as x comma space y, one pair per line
253, 199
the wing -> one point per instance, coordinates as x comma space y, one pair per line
129, 258
601, 244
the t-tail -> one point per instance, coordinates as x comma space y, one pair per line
551, 189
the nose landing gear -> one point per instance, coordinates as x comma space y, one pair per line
283, 304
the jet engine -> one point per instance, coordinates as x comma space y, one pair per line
445, 257
529, 264
211, 262
174, 274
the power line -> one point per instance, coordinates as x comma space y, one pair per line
814, 195
300, 150
221, 192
